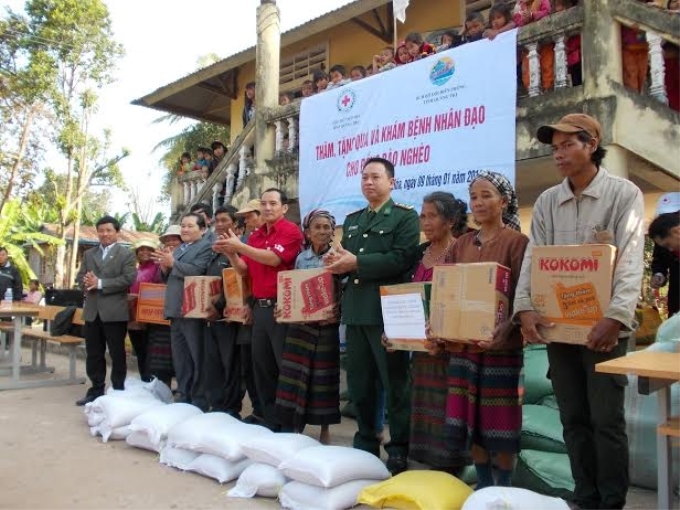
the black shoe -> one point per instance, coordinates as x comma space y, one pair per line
397, 464
252, 419
87, 399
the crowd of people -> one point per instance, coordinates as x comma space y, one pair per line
457, 404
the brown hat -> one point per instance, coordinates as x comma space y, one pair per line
572, 123
251, 206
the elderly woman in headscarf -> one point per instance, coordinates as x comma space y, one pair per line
309, 380
483, 409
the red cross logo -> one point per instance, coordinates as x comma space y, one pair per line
346, 100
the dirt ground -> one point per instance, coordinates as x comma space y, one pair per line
48, 460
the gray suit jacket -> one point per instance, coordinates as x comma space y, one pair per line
192, 262
116, 273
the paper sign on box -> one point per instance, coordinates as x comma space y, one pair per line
237, 293
305, 295
150, 303
199, 293
468, 300
422, 289
571, 286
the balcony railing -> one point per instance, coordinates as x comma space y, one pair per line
549, 37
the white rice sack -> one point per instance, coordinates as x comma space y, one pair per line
300, 496
157, 422
261, 480
160, 390
142, 440
218, 468
121, 411
116, 434
94, 419
274, 449
511, 498
177, 457
216, 434
329, 466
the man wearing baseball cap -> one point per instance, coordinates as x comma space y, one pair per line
589, 206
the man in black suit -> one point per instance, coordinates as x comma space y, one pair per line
105, 275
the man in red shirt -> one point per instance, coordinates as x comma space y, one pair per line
270, 249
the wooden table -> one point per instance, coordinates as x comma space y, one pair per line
16, 311
656, 372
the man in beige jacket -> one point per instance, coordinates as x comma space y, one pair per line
589, 206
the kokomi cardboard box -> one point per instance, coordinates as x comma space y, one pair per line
422, 288
305, 295
571, 286
468, 300
237, 292
199, 294
150, 303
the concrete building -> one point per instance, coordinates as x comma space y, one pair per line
641, 133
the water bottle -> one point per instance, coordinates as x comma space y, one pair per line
9, 296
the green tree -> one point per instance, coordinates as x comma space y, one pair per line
72, 42
24, 82
198, 134
18, 227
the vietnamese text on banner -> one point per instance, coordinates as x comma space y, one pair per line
440, 120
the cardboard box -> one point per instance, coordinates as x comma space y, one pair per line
199, 294
150, 303
305, 295
468, 300
571, 286
422, 288
237, 293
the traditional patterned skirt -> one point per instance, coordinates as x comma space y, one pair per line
428, 414
484, 405
309, 379
160, 352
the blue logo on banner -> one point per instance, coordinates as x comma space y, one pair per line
442, 71
346, 100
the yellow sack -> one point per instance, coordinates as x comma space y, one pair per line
417, 490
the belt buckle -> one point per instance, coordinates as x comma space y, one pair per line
265, 303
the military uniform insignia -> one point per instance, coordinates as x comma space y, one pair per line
403, 206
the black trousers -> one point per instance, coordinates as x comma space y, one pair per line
139, 338
98, 336
267, 349
186, 337
245, 346
222, 368
592, 414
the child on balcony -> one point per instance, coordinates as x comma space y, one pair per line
450, 39
474, 27
417, 47
338, 78
385, 60
357, 73
320, 80
572, 47
528, 11
500, 19
307, 88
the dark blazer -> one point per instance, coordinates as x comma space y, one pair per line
116, 274
191, 262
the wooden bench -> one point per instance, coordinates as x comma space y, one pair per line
40, 339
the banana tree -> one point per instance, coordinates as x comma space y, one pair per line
18, 228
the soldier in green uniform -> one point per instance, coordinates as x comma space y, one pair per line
378, 248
